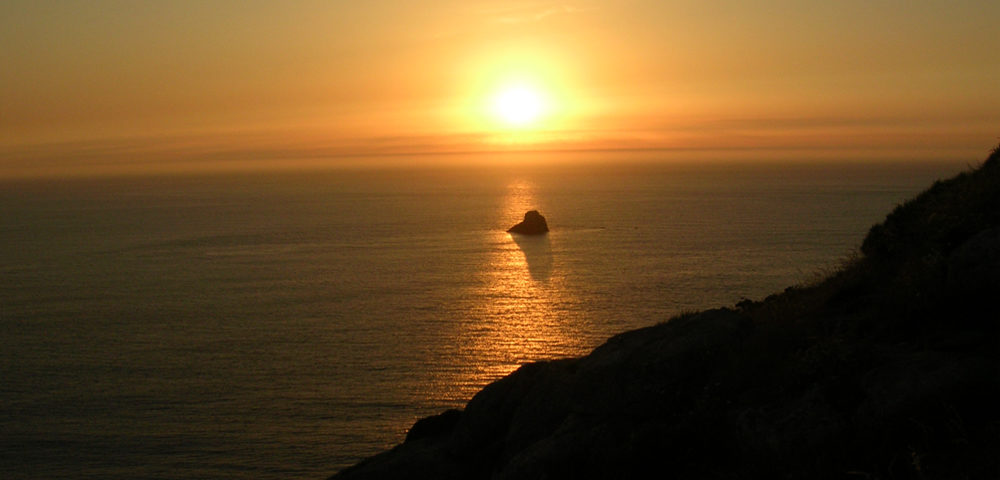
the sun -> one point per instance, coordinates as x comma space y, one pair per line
519, 106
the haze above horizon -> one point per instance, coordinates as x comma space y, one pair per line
105, 85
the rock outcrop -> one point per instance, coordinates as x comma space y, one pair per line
888, 369
533, 224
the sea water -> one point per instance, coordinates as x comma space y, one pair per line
286, 325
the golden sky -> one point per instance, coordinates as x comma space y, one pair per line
113, 82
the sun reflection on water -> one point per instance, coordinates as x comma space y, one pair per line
518, 310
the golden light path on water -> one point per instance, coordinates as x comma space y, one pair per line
518, 306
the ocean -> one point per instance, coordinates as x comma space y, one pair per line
287, 324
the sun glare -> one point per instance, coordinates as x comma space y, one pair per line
519, 106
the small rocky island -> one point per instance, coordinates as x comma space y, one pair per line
533, 224
887, 369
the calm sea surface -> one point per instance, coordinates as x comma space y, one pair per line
287, 325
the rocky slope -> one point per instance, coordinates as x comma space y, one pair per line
888, 369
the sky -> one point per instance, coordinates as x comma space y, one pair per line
101, 85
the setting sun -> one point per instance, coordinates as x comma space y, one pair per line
519, 106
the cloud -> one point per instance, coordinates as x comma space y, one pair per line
530, 13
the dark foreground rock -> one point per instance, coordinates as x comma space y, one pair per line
889, 369
533, 224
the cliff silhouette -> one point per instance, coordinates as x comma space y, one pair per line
887, 369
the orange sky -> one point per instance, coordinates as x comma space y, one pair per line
104, 84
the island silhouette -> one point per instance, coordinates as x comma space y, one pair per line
533, 224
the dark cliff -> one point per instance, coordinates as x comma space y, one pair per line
888, 369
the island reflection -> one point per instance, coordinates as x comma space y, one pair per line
537, 250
